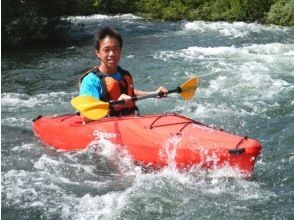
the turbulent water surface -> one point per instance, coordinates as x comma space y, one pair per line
247, 88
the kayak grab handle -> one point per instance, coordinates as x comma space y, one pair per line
37, 118
236, 151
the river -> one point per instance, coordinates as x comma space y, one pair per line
246, 88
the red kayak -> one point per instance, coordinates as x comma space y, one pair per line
150, 139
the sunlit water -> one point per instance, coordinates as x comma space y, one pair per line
247, 88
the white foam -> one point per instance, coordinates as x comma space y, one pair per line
99, 17
78, 19
247, 73
168, 152
271, 49
131, 56
16, 184
24, 147
48, 164
109, 204
127, 16
117, 154
251, 52
36, 190
232, 30
18, 100
17, 122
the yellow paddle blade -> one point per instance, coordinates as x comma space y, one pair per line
90, 107
189, 88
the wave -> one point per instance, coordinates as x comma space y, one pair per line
129, 24
86, 26
53, 191
251, 79
18, 100
244, 73
99, 17
232, 30
18, 110
250, 51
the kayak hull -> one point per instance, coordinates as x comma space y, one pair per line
153, 140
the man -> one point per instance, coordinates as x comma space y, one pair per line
108, 81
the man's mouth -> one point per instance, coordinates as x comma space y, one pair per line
111, 60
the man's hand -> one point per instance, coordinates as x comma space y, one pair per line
161, 91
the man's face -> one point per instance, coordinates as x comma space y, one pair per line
109, 52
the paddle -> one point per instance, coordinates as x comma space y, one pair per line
94, 109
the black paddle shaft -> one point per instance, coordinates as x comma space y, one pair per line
152, 95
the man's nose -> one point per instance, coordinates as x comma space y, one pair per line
111, 52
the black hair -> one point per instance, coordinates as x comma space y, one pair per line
107, 32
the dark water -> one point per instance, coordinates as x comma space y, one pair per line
247, 88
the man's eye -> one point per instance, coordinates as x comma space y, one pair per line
106, 50
114, 49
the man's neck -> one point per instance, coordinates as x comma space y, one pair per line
106, 70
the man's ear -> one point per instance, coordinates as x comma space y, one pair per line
97, 53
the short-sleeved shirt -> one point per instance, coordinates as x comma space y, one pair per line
91, 84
